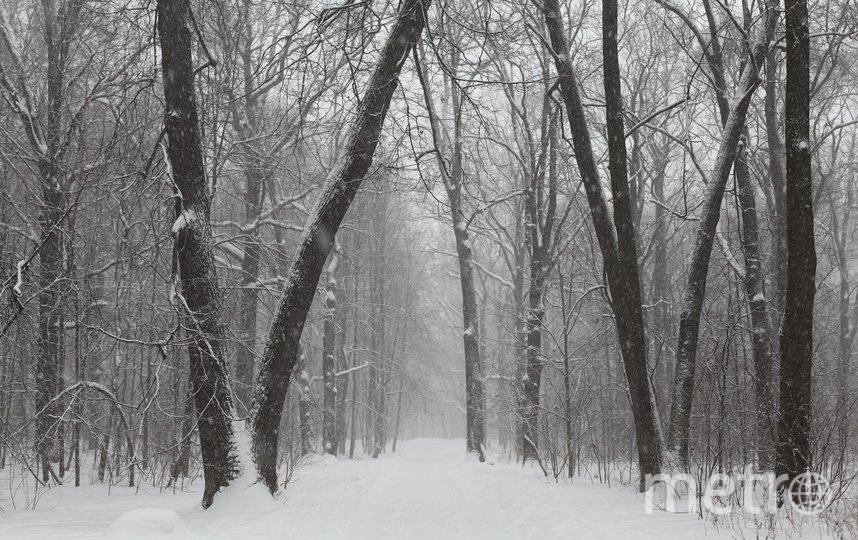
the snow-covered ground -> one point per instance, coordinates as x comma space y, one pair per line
426, 490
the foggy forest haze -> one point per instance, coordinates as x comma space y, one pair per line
428, 269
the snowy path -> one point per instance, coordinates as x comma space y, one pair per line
427, 490
424, 497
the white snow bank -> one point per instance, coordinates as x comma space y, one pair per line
428, 490
148, 524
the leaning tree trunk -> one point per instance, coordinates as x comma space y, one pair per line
794, 445
279, 357
625, 289
200, 295
619, 260
695, 290
753, 277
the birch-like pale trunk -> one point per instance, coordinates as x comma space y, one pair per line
330, 438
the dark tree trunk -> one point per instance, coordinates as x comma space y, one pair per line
103, 447
474, 386
181, 466
50, 315
47, 139
794, 437
622, 280
279, 357
193, 241
625, 282
59, 27
398, 416
533, 372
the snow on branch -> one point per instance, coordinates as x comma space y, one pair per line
185, 219
728, 254
19, 268
351, 370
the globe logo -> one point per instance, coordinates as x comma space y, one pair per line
810, 493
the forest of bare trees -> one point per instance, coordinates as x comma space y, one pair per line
611, 239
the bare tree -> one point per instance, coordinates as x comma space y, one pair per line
453, 179
695, 290
330, 437
194, 254
616, 240
318, 240
794, 428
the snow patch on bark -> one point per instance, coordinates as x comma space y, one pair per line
185, 219
245, 494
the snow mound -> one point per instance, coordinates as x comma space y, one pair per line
322, 459
148, 524
248, 500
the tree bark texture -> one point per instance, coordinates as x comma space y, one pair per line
279, 357
794, 428
622, 280
330, 440
193, 243
695, 290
